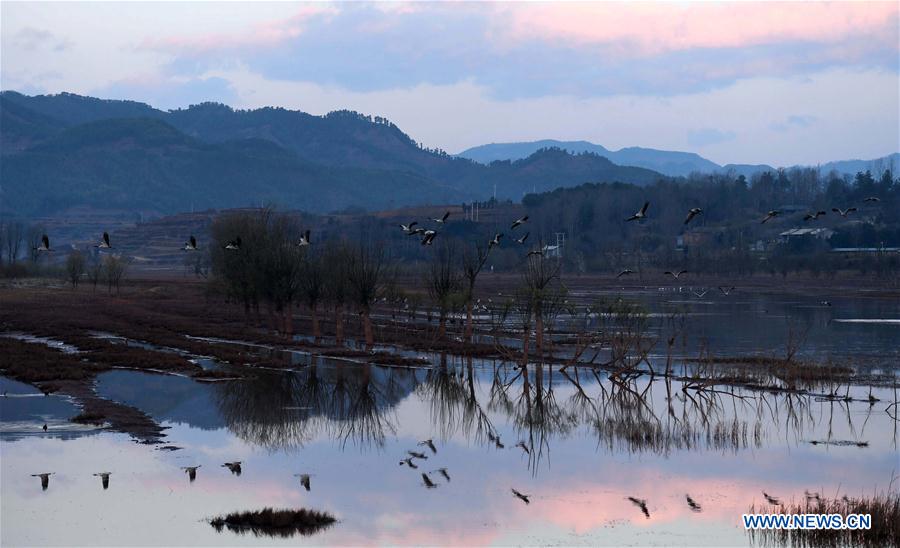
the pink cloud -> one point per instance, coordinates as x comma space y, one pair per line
261, 35
654, 28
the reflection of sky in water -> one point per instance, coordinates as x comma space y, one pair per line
349, 426
578, 488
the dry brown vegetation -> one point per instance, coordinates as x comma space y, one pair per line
275, 523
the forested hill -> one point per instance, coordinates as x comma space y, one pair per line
65, 150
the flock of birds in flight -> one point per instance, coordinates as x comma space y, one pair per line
429, 235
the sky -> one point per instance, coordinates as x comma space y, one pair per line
781, 83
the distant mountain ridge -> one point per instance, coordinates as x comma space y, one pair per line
65, 150
672, 163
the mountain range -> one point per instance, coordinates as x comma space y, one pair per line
667, 162
66, 150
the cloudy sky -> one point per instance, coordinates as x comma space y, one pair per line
779, 83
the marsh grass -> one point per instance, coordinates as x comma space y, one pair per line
883, 507
274, 523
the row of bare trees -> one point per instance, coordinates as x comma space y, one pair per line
271, 268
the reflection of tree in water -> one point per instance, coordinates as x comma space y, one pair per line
286, 410
454, 406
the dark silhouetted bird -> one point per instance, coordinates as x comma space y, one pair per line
429, 237
304, 480
675, 274
104, 242
495, 241
427, 481
233, 467
409, 462
45, 244
442, 219
536, 252
518, 222
692, 504
430, 445
191, 471
642, 504
443, 472
523, 238
693, 212
408, 228
104, 479
417, 455
726, 290
641, 214
770, 499
45, 479
843, 212
625, 272
521, 496
814, 216
770, 215
234, 244
191, 244
872, 199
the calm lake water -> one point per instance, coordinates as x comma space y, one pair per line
591, 444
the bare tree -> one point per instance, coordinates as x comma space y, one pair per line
94, 271
13, 233
473, 261
444, 282
539, 288
367, 269
75, 267
114, 268
312, 288
335, 263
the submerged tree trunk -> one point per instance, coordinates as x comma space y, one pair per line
526, 338
539, 335
317, 333
442, 326
339, 325
468, 334
288, 322
367, 329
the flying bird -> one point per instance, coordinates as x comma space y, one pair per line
771, 500
770, 215
417, 455
843, 212
104, 479
304, 480
429, 237
726, 290
233, 467
409, 462
45, 479
191, 471
693, 212
45, 244
234, 244
523, 238
104, 243
443, 472
427, 481
430, 445
813, 216
443, 219
675, 274
812, 496
872, 199
642, 504
524, 447
408, 228
496, 240
624, 273
304, 239
693, 504
521, 496
535, 252
191, 244
518, 222
698, 293
641, 214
